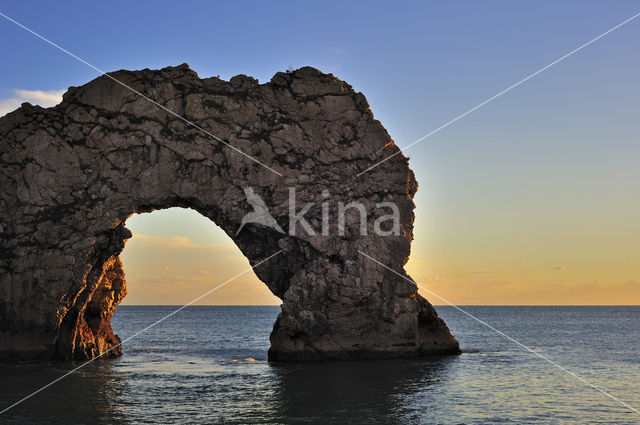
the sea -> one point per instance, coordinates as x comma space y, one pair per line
208, 365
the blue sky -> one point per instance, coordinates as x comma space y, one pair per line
546, 175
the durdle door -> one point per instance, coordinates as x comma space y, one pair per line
71, 175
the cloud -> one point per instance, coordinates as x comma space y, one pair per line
176, 241
44, 98
559, 268
175, 270
329, 69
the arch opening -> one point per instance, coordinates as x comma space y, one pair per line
176, 254
170, 256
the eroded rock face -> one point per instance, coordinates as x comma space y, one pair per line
71, 175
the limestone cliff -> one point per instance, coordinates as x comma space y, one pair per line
71, 175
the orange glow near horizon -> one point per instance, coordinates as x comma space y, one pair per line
171, 269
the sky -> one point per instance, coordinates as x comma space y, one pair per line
531, 199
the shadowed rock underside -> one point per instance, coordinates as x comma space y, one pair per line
71, 175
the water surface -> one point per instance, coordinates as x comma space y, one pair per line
208, 365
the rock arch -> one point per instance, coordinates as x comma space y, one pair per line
71, 175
